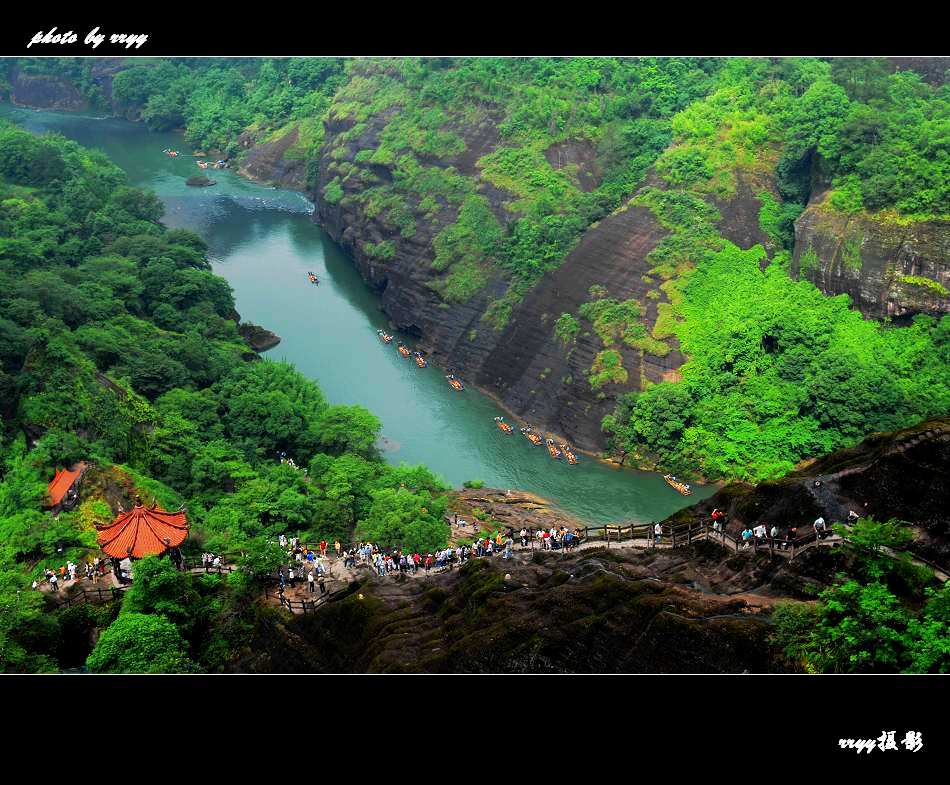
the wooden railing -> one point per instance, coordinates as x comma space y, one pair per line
83, 595
295, 605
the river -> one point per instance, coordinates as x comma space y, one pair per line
263, 241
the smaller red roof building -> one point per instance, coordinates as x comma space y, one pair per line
142, 531
62, 482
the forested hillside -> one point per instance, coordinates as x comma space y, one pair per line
120, 347
635, 253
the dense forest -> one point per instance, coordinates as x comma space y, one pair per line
746, 406
121, 346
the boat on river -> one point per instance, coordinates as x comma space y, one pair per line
404, 350
420, 360
312, 278
384, 336
532, 437
682, 487
170, 153
552, 448
569, 454
455, 383
503, 426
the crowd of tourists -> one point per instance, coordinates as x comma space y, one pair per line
762, 534
307, 564
90, 570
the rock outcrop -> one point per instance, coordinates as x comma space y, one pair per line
45, 92
258, 338
890, 268
898, 475
268, 161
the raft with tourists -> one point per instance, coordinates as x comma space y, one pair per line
682, 487
170, 153
532, 437
420, 360
569, 454
455, 383
384, 336
312, 278
404, 350
503, 426
552, 448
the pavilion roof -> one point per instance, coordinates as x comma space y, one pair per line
63, 481
143, 531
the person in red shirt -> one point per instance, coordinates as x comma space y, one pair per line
323, 548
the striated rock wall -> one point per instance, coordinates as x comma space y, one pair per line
45, 92
267, 161
523, 365
889, 475
884, 265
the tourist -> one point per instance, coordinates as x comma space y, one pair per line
760, 534
323, 587
657, 532
773, 533
337, 547
524, 538
746, 537
323, 549
428, 562
820, 528
292, 578
53, 583
310, 581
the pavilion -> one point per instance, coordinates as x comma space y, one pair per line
62, 488
144, 531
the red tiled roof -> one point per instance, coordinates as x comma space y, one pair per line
144, 530
62, 482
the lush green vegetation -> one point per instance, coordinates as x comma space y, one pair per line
120, 348
778, 372
884, 616
119, 345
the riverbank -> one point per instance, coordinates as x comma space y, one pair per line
263, 241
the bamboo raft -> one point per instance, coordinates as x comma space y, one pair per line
682, 487
384, 336
503, 426
404, 350
455, 383
313, 278
569, 454
552, 448
420, 360
532, 437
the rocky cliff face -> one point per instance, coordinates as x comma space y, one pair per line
596, 611
889, 268
522, 365
40, 91
45, 92
268, 161
892, 475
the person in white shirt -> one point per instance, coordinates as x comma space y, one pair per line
820, 527
658, 532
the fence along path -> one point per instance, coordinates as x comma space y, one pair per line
630, 536
684, 534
